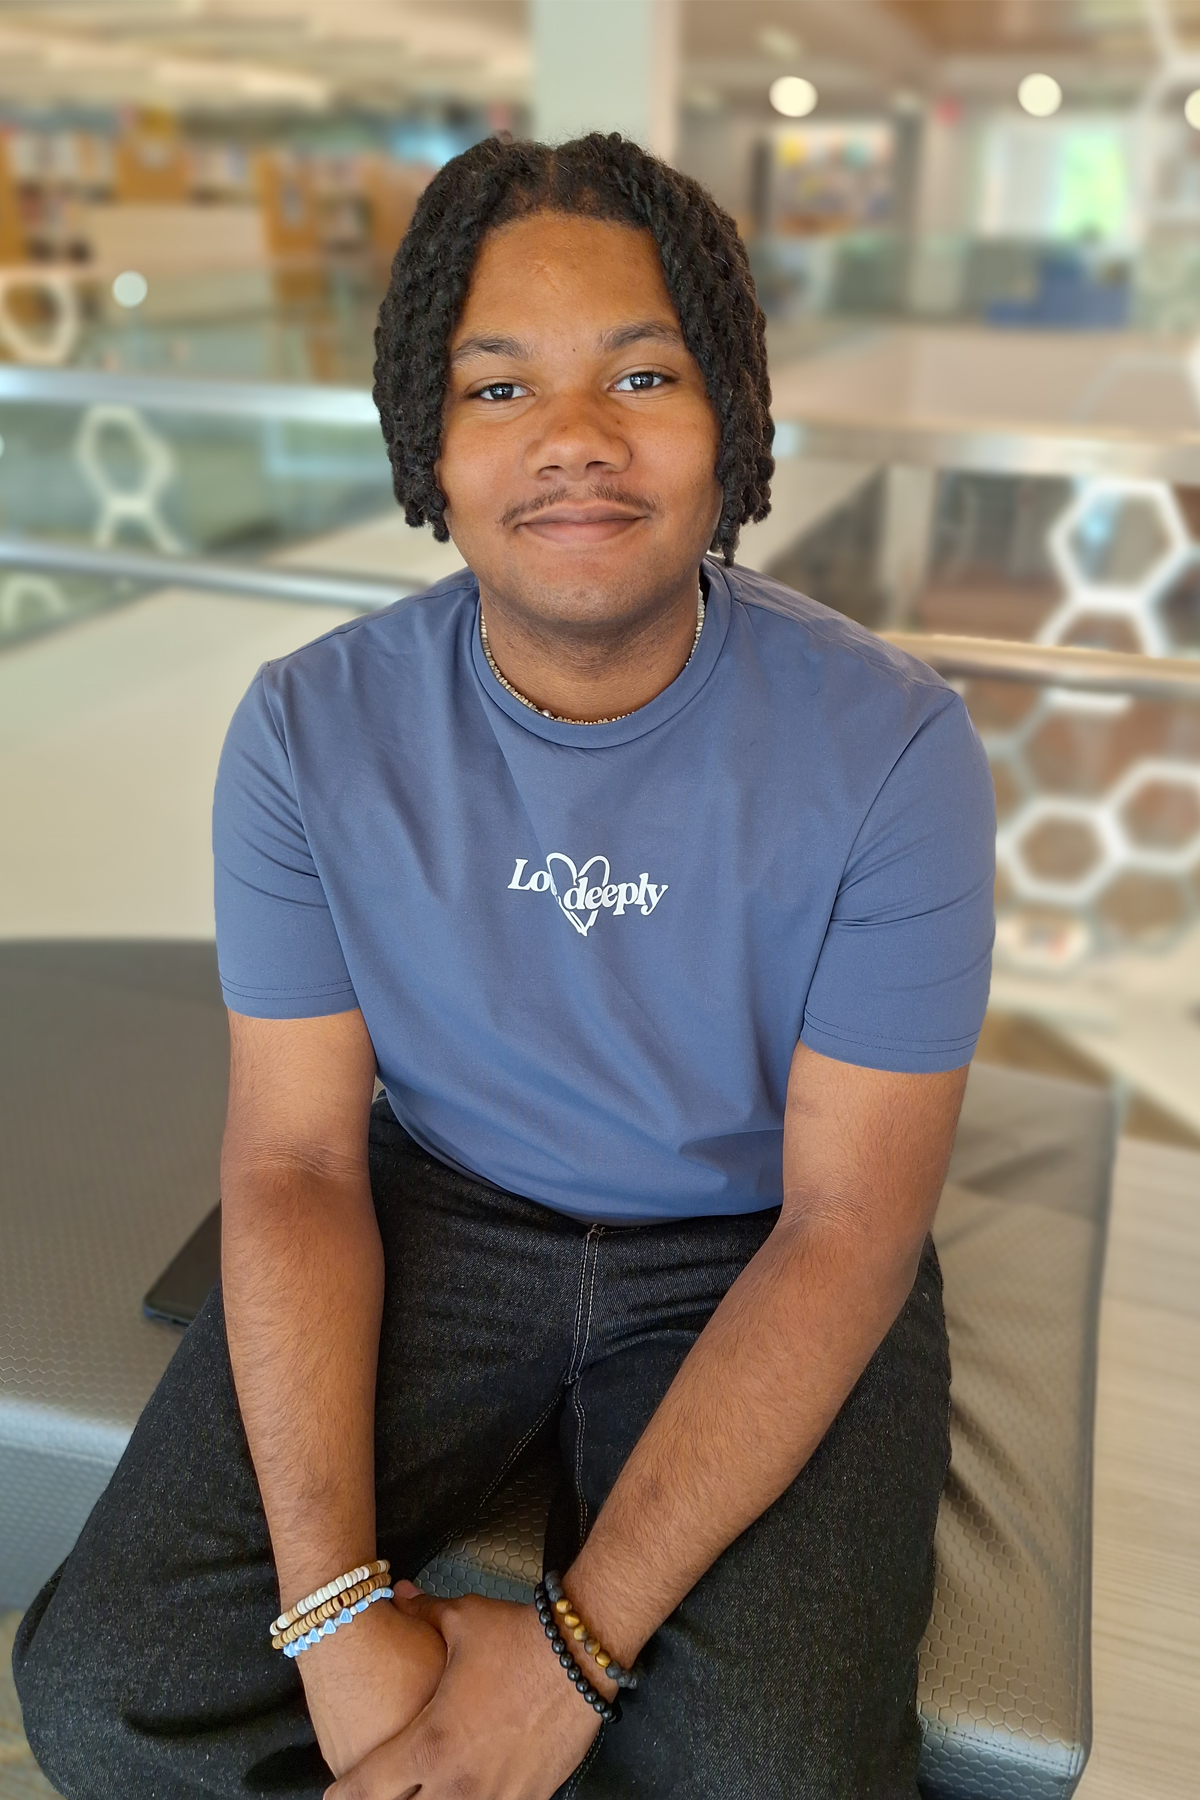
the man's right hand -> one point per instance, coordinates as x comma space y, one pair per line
368, 1681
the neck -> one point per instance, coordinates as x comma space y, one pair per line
593, 676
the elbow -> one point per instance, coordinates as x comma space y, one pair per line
859, 1243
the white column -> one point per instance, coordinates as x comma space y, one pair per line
606, 65
910, 503
940, 216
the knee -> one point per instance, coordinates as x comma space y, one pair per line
63, 1704
26, 1658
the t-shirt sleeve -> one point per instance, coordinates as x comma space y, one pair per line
902, 978
277, 949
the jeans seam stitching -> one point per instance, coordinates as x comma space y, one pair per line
533, 1430
513, 1454
460, 1530
583, 1266
580, 1502
576, 1396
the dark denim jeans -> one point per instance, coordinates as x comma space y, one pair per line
144, 1667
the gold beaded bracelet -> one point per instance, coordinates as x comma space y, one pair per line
571, 1624
328, 1609
319, 1595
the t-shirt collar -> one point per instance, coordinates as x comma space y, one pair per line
686, 685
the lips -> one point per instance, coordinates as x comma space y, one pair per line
579, 526
580, 515
589, 518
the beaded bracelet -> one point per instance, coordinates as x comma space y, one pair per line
579, 1631
609, 1711
327, 1609
340, 1583
331, 1625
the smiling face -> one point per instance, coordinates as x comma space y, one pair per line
579, 444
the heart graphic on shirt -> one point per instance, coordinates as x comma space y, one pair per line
579, 886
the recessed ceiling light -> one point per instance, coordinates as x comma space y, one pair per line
793, 96
779, 44
1191, 109
130, 288
1040, 95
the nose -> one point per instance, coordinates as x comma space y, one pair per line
580, 437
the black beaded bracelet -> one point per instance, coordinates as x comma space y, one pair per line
624, 1678
608, 1711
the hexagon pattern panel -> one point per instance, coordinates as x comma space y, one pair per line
1098, 796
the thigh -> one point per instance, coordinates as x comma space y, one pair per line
791, 1667
145, 1665
479, 1320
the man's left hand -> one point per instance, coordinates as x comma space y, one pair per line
504, 1724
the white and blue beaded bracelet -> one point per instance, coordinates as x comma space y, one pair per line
330, 1626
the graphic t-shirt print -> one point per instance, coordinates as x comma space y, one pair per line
585, 891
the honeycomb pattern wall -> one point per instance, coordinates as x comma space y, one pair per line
1098, 796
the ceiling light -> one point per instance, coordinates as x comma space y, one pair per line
1040, 95
779, 44
1191, 109
130, 288
793, 96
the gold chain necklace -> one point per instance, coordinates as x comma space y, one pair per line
558, 717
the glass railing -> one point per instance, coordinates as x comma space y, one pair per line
174, 467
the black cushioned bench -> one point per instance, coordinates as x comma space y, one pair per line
112, 1089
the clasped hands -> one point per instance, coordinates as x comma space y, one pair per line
445, 1699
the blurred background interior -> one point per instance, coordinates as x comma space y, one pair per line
975, 228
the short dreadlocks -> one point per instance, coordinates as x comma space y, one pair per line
599, 177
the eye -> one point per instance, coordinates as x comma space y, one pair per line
500, 390
641, 382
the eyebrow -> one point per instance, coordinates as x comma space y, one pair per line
619, 338
491, 346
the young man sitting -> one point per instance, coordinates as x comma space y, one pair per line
659, 899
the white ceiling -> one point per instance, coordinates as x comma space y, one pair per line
317, 54
298, 53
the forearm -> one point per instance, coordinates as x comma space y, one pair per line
302, 1270
749, 1405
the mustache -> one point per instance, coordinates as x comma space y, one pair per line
597, 490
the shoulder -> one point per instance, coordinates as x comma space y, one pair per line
874, 716
785, 616
834, 646
413, 628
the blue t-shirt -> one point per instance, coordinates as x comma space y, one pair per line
585, 953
